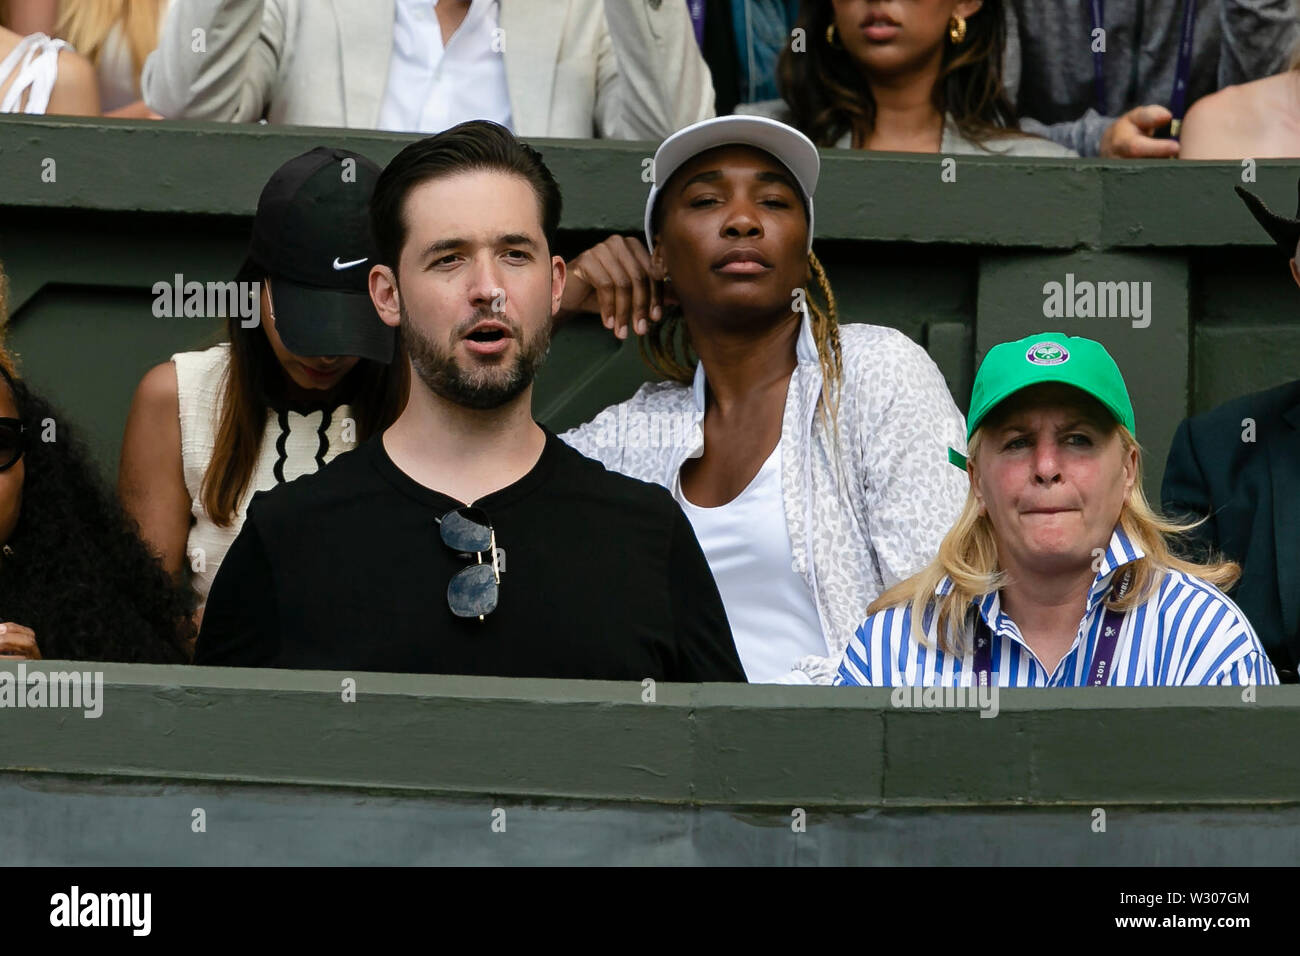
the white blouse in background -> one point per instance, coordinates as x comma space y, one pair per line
432, 88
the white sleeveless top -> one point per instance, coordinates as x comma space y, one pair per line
770, 608
34, 65
293, 444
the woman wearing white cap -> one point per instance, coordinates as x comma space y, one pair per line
809, 457
1058, 573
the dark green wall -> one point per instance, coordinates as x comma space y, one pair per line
959, 266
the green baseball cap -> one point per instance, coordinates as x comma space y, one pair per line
1046, 357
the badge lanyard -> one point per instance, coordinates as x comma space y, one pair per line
1098, 673
697, 20
1182, 71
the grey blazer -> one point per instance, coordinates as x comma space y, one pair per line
623, 69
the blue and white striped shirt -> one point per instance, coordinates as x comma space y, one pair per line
1186, 632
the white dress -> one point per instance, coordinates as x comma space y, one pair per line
294, 443
34, 66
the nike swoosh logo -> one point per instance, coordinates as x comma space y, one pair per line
348, 265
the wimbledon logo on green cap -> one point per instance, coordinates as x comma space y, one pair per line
1047, 353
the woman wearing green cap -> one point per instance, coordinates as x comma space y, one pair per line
1058, 573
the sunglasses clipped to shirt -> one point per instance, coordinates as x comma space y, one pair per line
13, 442
472, 591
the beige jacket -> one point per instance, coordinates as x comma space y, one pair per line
622, 69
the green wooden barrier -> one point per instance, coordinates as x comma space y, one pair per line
296, 766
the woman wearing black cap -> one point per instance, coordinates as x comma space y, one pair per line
209, 429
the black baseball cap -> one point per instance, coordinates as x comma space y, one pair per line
311, 237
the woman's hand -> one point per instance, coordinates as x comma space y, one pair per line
1131, 136
616, 279
18, 643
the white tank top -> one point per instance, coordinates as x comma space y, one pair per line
293, 444
773, 618
34, 65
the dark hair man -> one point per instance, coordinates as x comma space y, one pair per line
376, 562
1238, 466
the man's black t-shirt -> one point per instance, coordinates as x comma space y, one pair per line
346, 569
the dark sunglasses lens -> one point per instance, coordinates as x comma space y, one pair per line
466, 529
11, 445
473, 591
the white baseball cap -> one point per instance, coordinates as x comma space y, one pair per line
789, 146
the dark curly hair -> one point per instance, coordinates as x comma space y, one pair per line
79, 574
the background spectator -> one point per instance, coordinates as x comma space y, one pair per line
920, 77
626, 69
116, 36
1119, 102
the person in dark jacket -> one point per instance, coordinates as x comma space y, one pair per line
1238, 466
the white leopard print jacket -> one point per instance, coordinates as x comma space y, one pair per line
899, 494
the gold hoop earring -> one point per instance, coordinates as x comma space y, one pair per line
957, 29
830, 38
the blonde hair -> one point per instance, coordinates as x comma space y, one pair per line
86, 24
968, 556
666, 347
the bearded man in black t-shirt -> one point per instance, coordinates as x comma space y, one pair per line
467, 538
